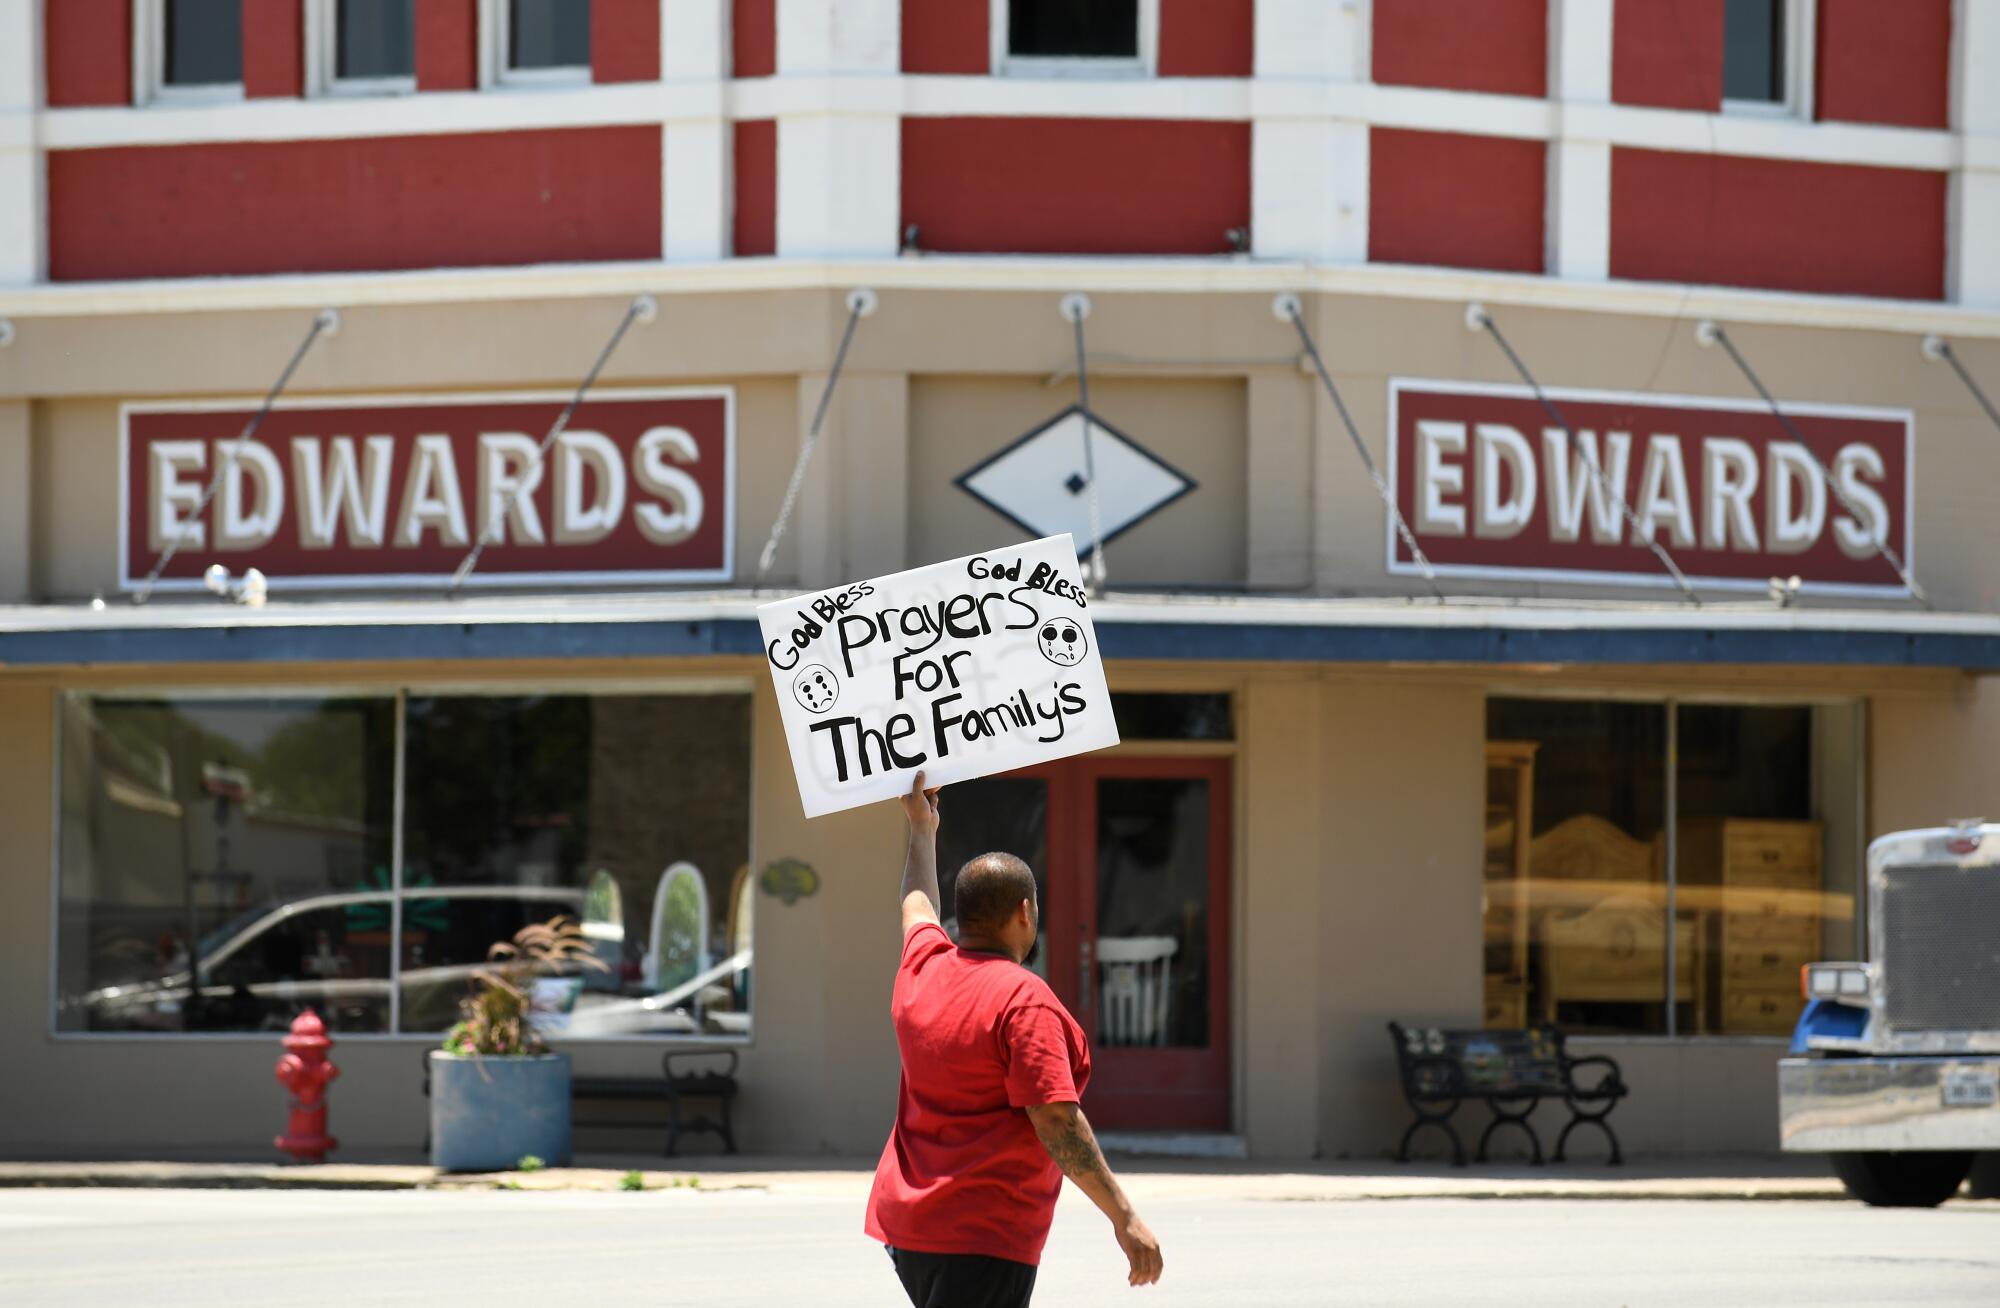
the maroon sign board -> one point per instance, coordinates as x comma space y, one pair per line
1492, 487
393, 491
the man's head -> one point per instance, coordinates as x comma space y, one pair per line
995, 900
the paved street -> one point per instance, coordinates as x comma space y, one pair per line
800, 1244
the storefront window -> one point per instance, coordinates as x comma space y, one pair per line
630, 814
1595, 921
226, 863
1576, 928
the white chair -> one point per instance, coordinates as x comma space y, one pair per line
1135, 988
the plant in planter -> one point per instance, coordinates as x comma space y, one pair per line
497, 1093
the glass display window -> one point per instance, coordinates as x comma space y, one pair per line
1659, 868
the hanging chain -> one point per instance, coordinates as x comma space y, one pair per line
1711, 332
324, 322
1478, 319
860, 303
1076, 307
642, 309
1288, 309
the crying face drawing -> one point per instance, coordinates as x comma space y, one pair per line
815, 687
1061, 641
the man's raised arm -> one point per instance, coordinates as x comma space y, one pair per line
920, 874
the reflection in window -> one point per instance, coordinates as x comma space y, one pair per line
224, 864
202, 42
548, 34
520, 808
1753, 51
1152, 911
227, 863
1088, 29
375, 40
1576, 914
1766, 815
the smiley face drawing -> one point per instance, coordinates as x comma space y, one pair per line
1061, 641
815, 687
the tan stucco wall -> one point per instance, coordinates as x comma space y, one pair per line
16, 489
1195, 425
1399, 903
1932, 756
1369, 341
938, 379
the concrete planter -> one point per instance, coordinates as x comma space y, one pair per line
487, 1113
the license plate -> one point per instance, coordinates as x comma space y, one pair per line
1971, 1087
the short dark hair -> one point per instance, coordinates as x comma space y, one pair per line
988, 888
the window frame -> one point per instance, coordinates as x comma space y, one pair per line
1799, 47
1672, 702
149, 65
400, 693
322, 58
495, 29
1143, 65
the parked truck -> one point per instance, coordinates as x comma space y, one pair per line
1894, 1071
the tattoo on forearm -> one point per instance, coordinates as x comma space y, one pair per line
1074, 1148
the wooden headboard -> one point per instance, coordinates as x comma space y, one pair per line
1587, 847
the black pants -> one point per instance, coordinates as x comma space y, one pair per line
963, 1280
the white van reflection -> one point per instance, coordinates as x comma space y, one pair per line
331, 953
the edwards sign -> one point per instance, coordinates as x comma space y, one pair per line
963, 669
1491, 488
394, 491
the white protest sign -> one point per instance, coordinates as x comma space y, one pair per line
963, 669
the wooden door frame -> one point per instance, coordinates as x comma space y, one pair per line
1210, 1071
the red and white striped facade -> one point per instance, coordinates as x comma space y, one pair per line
1581, 139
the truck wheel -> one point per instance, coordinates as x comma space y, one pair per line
1902, 1180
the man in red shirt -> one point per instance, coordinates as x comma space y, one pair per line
987, 1118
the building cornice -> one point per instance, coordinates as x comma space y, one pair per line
948, 273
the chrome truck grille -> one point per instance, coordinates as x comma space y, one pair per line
1939, 947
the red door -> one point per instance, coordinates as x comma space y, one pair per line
1131, 856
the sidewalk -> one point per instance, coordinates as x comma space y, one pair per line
1345, 1181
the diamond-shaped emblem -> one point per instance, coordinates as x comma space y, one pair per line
1040, 482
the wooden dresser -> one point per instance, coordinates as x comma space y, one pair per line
1757, 886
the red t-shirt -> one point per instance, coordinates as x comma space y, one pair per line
982, 1038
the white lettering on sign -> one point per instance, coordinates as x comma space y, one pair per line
679, 510
964, 669
1496, 489
338, 490
393, 491
509, 473
1585, 477
1440, 477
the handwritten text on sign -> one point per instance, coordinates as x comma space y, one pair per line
963, 669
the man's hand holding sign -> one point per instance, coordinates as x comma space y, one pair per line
890, 688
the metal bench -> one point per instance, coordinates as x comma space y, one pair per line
677, 1084
1512, 1071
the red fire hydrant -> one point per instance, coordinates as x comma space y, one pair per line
305, 1072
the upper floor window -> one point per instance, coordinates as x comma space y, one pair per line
188, 49
1075, 38
542, 40
366, 46
1767, 56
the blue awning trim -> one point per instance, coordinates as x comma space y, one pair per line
388, 641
